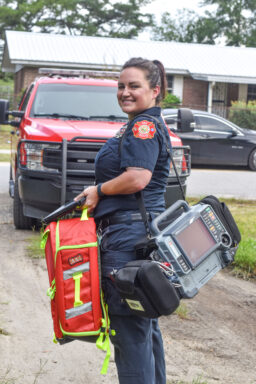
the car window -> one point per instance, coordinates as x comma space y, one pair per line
25, 98
211, 124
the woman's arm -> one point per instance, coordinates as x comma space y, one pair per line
130, 181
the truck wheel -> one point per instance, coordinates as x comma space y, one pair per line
11, 183
20, 221
252, 160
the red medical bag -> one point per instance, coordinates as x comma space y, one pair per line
77, 307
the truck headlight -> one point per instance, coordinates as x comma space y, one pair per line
182, 159
31, 156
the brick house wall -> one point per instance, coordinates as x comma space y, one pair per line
195, 94
23, 78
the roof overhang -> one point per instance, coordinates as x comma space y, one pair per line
176, 71
224, 79
15, 65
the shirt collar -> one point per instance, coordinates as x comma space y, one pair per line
154, 111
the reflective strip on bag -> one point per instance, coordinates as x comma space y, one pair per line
77, 311
73, 271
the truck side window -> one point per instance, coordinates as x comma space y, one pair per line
25, 99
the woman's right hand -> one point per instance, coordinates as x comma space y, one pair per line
92, 198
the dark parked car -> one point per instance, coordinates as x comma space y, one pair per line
215, 140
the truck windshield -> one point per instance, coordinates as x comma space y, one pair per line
76, 101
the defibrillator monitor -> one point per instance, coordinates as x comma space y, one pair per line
195, 244
195, 241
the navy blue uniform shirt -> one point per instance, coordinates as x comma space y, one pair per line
142, 146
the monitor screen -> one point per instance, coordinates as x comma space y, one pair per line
196, 241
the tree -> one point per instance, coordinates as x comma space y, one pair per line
76, 17
234, 22
186, 27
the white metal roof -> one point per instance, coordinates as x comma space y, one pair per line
201, 61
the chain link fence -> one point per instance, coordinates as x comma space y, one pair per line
7, 93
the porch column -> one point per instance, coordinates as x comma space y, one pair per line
210, 87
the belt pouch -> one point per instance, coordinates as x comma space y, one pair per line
146, 290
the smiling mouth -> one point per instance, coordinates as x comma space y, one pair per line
127, 101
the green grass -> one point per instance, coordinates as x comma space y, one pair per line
7, 82
5, 136
244, 213
182, 311
6, 128
245, 260
4, 157
5, 139
33, 246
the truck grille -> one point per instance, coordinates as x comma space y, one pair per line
80, 158
79, 164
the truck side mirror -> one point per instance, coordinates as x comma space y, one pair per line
18, 113
186, 121
4, 111
170, 120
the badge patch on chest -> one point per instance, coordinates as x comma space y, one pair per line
144, 129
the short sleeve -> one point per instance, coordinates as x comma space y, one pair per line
140, 145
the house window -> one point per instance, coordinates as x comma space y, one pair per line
251, 95
169, 83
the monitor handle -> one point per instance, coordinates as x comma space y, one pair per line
174, 207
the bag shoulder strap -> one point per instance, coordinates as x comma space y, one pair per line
139, 195
169, 151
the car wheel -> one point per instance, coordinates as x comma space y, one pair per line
252, 160
20, 221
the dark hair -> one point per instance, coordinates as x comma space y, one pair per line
154, 71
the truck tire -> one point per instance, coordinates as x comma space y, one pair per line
20, 221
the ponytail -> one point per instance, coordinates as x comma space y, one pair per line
163, 80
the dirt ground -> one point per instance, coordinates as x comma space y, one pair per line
216, 343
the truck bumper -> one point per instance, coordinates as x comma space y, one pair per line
41, 197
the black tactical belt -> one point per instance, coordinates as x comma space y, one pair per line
119, 219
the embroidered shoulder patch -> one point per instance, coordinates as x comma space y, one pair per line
144, 129
121, 131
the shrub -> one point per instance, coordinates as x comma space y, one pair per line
243, 114
170, 101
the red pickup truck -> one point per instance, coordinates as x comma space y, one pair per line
61, 123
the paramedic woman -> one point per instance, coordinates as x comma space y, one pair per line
136, 162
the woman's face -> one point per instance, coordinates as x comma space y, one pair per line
134, 93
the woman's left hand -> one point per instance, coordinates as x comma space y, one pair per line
92, 198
